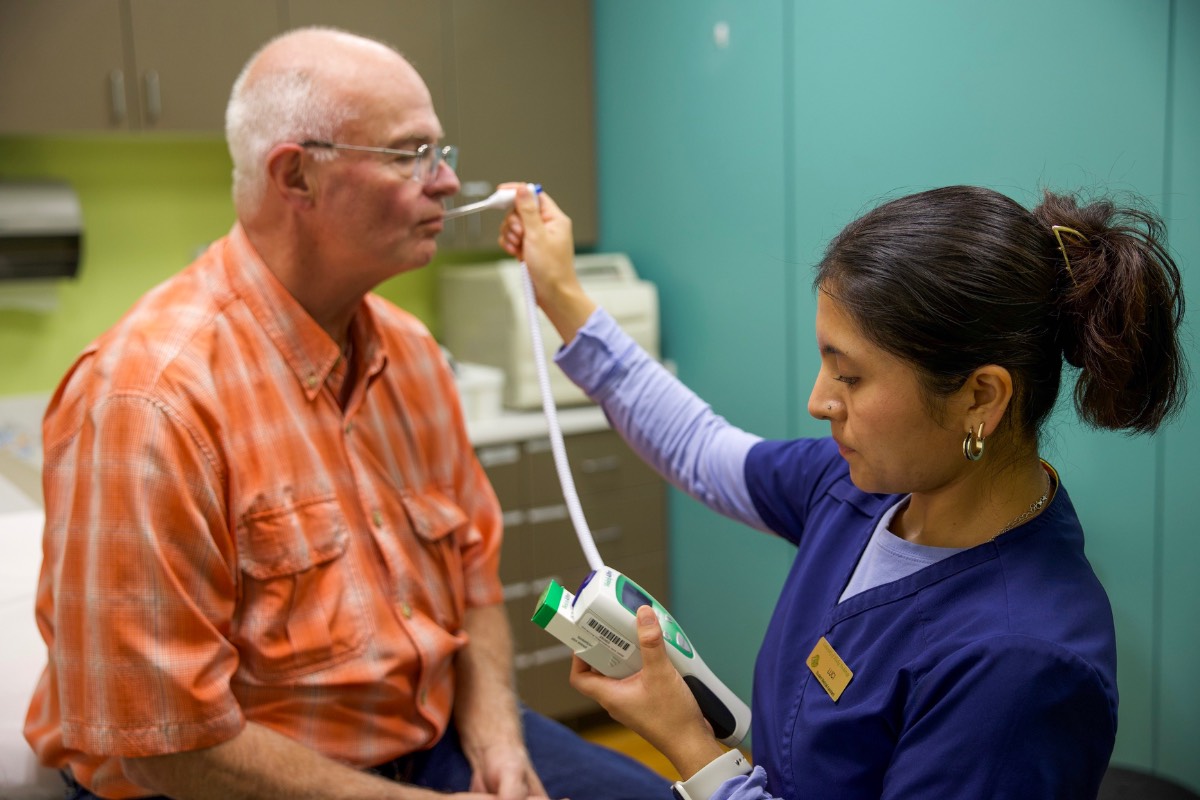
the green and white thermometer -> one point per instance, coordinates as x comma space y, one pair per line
600, 626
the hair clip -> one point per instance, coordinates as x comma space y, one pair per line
1059, 230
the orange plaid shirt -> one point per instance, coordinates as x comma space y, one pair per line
225, 543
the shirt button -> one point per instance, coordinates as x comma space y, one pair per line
377, 518
406, 610
311, 380
423, 697
349, 427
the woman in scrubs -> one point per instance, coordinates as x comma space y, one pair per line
940, 633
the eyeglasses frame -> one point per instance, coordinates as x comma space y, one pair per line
442, 154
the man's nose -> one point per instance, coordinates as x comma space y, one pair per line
445, 182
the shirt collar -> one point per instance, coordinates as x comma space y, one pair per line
308, 349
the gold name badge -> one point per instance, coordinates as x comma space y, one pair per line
829, 669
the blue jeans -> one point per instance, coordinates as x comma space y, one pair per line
568, 765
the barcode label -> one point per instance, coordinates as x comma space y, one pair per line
605, 633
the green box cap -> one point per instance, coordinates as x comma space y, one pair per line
547, 604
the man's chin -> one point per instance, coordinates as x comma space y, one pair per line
415, 258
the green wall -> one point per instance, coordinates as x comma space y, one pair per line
725, 170
150, 203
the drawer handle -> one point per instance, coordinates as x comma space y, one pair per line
546, 655
515, 591
609, 534
498, 456
547, 514
153, 97
602, 464
116, 84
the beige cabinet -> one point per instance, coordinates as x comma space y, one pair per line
120, 65
624, 502
512, 84
523, 91
62, 66
188, 54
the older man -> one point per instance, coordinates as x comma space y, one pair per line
270, 554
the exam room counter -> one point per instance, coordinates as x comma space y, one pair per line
23, 654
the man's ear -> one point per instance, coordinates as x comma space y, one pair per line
987, 395
289, 174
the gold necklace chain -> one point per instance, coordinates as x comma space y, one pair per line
1033, 509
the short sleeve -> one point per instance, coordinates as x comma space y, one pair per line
481, 539
785, 478
138, 586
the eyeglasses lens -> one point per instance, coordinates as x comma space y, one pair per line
431, 158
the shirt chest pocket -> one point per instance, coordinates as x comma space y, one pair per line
302, 608
442, 531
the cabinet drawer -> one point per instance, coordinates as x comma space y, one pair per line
505, 470
600, 462
625, 523
543, 683
519, 603
514, 558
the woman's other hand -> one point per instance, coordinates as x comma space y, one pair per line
655, 703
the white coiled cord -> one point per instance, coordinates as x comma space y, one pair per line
561, 465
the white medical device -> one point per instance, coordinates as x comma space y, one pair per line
500, 200
481, 308
599, 623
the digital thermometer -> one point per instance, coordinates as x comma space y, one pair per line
600, 626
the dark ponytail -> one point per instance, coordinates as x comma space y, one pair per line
1119, 307
956, 278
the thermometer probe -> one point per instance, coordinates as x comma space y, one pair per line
501, 200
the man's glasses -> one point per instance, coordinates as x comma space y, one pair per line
421, 165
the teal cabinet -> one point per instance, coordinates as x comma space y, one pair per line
1177, 690
1016, 96
690, 137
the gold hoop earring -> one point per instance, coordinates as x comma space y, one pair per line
973, 444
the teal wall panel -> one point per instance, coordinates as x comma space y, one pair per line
1178, 689
877, 99
690, 135
922, 94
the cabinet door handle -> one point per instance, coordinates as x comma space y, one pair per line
116, 92
500, 455
153, 97
601, 464
547, 514
609, 534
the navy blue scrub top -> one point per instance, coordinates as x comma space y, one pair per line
989, 674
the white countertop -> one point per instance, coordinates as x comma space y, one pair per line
519, 426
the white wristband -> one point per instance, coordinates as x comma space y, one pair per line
705, 783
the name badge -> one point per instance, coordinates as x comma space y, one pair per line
829, 669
